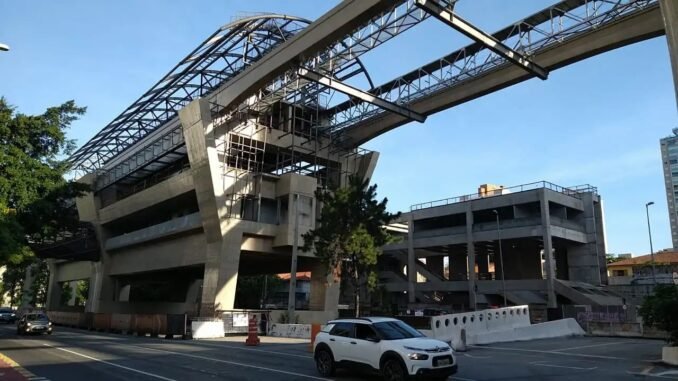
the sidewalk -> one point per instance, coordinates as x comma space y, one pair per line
11, 371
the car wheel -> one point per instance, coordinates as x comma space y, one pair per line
393, 370
324, 362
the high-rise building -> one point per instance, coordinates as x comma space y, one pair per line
669, 146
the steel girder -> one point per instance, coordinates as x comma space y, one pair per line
543, 30
224, 54
357, 93
450, 18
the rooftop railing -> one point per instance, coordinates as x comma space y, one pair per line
574, 191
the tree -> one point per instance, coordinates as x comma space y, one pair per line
66, 294
350, 234
35, 199
661, 310
81, 292
251, 290
611, 258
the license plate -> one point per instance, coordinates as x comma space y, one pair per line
442, 362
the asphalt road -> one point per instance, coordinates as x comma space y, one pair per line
81, 355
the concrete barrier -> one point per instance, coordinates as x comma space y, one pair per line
121, 323
102, 322
448, 327
547, 330
299, 331
154, 325
207, 329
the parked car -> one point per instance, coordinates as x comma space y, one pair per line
387, 345
7, 315
34, 323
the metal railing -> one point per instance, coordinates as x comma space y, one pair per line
574, 191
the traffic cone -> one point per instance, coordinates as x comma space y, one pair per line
252, 336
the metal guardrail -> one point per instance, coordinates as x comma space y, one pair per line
574, 191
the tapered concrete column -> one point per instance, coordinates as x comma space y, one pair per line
548, 246
411, 270
670, 14
458, 263
53, 291
471, 257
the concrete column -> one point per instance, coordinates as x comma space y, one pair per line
471, 257
318, 287
436, 265
546, 237
28, 284
669, 10
483, 261
411, 269
458, 265
53, 291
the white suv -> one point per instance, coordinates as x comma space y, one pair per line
384, 344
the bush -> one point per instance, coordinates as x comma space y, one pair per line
661, 310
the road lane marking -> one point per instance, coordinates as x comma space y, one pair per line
592, 346
462, 378
248, 349
543, 363
111, 364
549, 352
233, 363
19, 369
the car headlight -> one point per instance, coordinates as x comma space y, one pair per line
28, 324
417, 356
50, 323
13, 315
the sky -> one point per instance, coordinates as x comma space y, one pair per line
595, 122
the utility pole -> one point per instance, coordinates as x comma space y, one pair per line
649, 232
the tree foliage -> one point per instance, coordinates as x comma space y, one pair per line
661, 310
35, 199
252, 290
350, 233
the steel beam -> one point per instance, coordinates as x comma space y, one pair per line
450, 18
362, 95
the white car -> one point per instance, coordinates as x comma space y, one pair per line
384, 344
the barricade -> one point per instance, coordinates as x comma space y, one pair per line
102, 322
121, 323
153, 325
140, 324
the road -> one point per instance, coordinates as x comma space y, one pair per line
71, 354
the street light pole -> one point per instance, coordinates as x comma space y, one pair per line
501, 259
649, 232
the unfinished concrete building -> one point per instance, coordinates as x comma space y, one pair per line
470, 251
203, 177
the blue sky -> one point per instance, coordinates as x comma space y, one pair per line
598, 121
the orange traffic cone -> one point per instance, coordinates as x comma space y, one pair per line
252, 337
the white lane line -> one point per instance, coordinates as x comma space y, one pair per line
462, 378
593, 346
249, 349
543, 363
111, 364
549, 352
233, 363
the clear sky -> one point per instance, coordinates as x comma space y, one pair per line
598, 121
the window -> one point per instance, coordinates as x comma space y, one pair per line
365, 332
396, 330
342, 329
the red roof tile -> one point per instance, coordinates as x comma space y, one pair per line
665, 257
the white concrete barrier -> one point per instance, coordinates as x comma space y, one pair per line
448, 327
299, 331
551, 329
207, 329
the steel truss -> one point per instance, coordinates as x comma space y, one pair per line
542, 30
224, 54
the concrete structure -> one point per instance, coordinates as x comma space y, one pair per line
638, 270
533, 219
211, 173
669, 150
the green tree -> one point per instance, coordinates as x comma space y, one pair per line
35, 199
13, 283
350, 234
66, 294
251, 290
81, 292
661, 310
611, 258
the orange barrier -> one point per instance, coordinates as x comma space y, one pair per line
102, 322
121, 323
315, 329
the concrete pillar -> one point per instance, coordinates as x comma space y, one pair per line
471, 257
436, 265
53, 291
458, 265
27, 295
548, 246
483, 261
411, 269
669, 10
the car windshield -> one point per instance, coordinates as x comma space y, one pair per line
36, 317
396, 330
5, 311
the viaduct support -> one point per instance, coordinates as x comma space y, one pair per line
670, 15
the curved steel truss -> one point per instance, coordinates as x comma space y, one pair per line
224, 54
